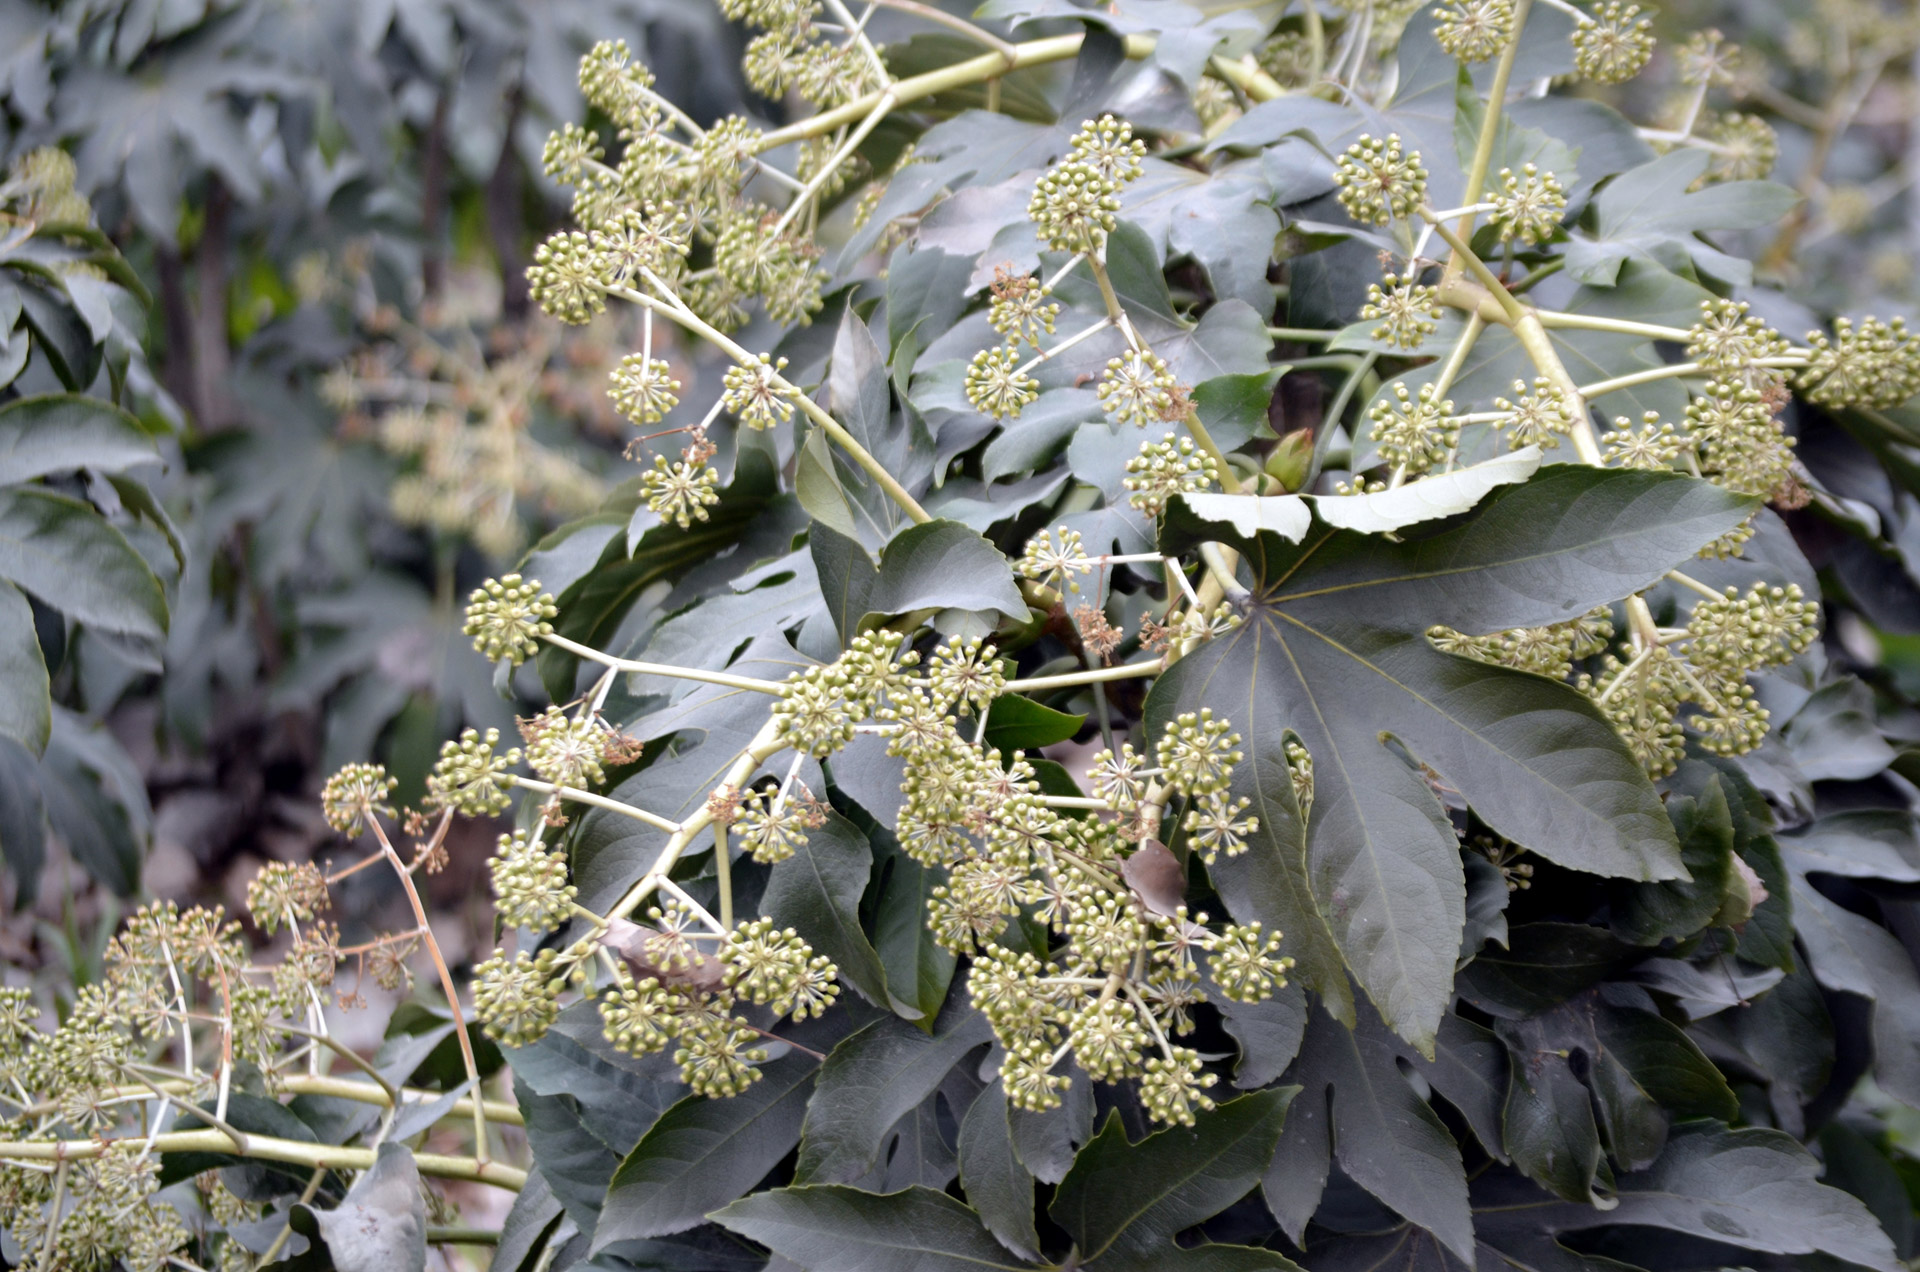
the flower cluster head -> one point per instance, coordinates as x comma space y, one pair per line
518, 999
771, 828
1652, 445
1138, 387
819, 708
1537, 418
996, 384
507, 617
565, 278
644, 389
964, 675
1053, 564
756, 393
1074, 207
1551, 650
1197, 753
1406, 310
1021, 310
1171, 466
1414, 432
530, 887
1728, 342
772, 966
286, 892
680, 490
470, 778
1871, 363
1745, 148
1378, 181
1615, 46
1474, 30
566, 752
1108, 146
1738, 441
1529, 205
354, 794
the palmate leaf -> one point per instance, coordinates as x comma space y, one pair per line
834, 1228
1123, 1202
1334, 650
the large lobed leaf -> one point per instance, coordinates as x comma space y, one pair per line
1334, 650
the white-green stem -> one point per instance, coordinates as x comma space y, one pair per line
661, 669
579, 796
1070, 679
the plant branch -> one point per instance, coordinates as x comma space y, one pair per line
266, 1148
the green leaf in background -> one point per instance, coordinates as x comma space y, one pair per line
997, 1184
1649, 214
918, 968
61, 432
1015, 723
66, 554
834, 1228
817, 893
1651, 912
870, 1081
26, 709
1131, 1198
704, 1153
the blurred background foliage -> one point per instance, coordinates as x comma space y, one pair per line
316, 216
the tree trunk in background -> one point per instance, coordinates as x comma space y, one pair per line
433, 203
212, 361
506, 220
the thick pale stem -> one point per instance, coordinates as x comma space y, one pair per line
267, 1148
660, 669
598, 801
1099, 675
1489, 129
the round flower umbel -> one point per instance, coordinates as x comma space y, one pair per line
1171, 466
1406, 311
507, 617
1021, 310
1198, 753
757, 395
1540, 418
518, 999
565, 278
1074, 207
775, 967
1728, 341
530, 885
1414, 432
644, 389
566, 752
1108, 146
1053, 565
355, 793
997, 386
1529, 206
1474, 30
470, 778
1651, 446
1746, 148
1378, 181
1874, 363
1137, 387
680, 491
1614, 47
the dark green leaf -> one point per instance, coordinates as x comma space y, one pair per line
1550, 1131
918, 969
1016, 723
1544, 965
1387, 1138
1133, 1198
703, 1153
533, 1219
996, 1182
1756, 1189
23, 819
1269, 1032
1648, 213
833, 1228
577, 1162
61, 550
1233, 408
1648, 913
1334, 649
870, 1081
26, 709
63, 431
944, 565
817, 892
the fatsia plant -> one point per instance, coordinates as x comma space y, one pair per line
1005, 806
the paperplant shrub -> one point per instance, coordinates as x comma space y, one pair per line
1432, 819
